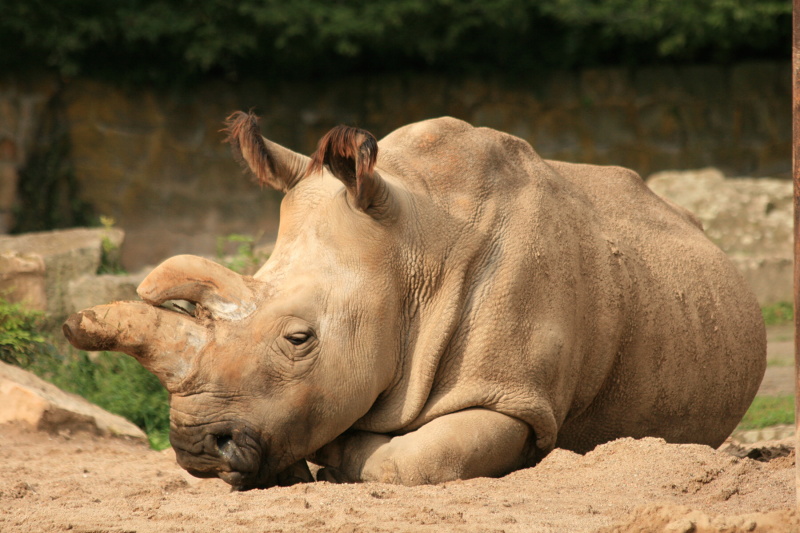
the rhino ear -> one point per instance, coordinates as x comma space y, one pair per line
271, 164
350, 154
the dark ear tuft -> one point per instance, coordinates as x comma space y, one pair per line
271, 163
247, 145
350, 154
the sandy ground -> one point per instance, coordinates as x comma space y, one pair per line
89, 484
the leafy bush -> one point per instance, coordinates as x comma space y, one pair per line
117, 383
20, 340
714, 30
178, 39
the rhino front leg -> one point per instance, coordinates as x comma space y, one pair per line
462, 445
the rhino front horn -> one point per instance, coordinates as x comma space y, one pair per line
164, 342
223, 292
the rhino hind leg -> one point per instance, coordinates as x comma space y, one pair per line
463, 445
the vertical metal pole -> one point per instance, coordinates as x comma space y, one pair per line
796, 179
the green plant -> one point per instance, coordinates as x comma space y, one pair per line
20, 340
245, 259
109, 251
768, 411
778, 314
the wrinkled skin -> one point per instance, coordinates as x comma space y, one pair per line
455, 309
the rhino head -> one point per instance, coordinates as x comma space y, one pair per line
267, 369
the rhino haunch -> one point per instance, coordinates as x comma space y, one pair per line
443, 304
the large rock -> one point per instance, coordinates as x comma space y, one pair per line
751, 219
25, 398
22, 279
66, 255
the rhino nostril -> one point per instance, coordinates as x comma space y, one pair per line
224, 445
67, 331
223, 441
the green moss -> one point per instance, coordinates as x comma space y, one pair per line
110, 253
244, 258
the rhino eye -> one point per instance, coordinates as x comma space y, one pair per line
298, 338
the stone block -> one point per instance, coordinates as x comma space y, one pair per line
703, 82
769, 277
760, 80
22, 279
88, 291
67, 255
154, 160
25, 398
662, 126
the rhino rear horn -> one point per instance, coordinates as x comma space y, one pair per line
272, 164
222, 291
351, 154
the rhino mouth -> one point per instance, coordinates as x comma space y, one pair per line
236, 455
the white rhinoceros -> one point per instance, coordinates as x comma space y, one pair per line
448, 307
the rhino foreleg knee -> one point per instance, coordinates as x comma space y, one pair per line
462, 445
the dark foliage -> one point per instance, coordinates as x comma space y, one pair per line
176, 40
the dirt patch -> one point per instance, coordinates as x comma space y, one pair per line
87, 483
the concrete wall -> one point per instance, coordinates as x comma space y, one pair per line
154, 160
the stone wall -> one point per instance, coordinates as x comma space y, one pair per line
22, 106
154, 161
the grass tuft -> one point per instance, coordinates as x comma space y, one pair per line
768, 411
778, 314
